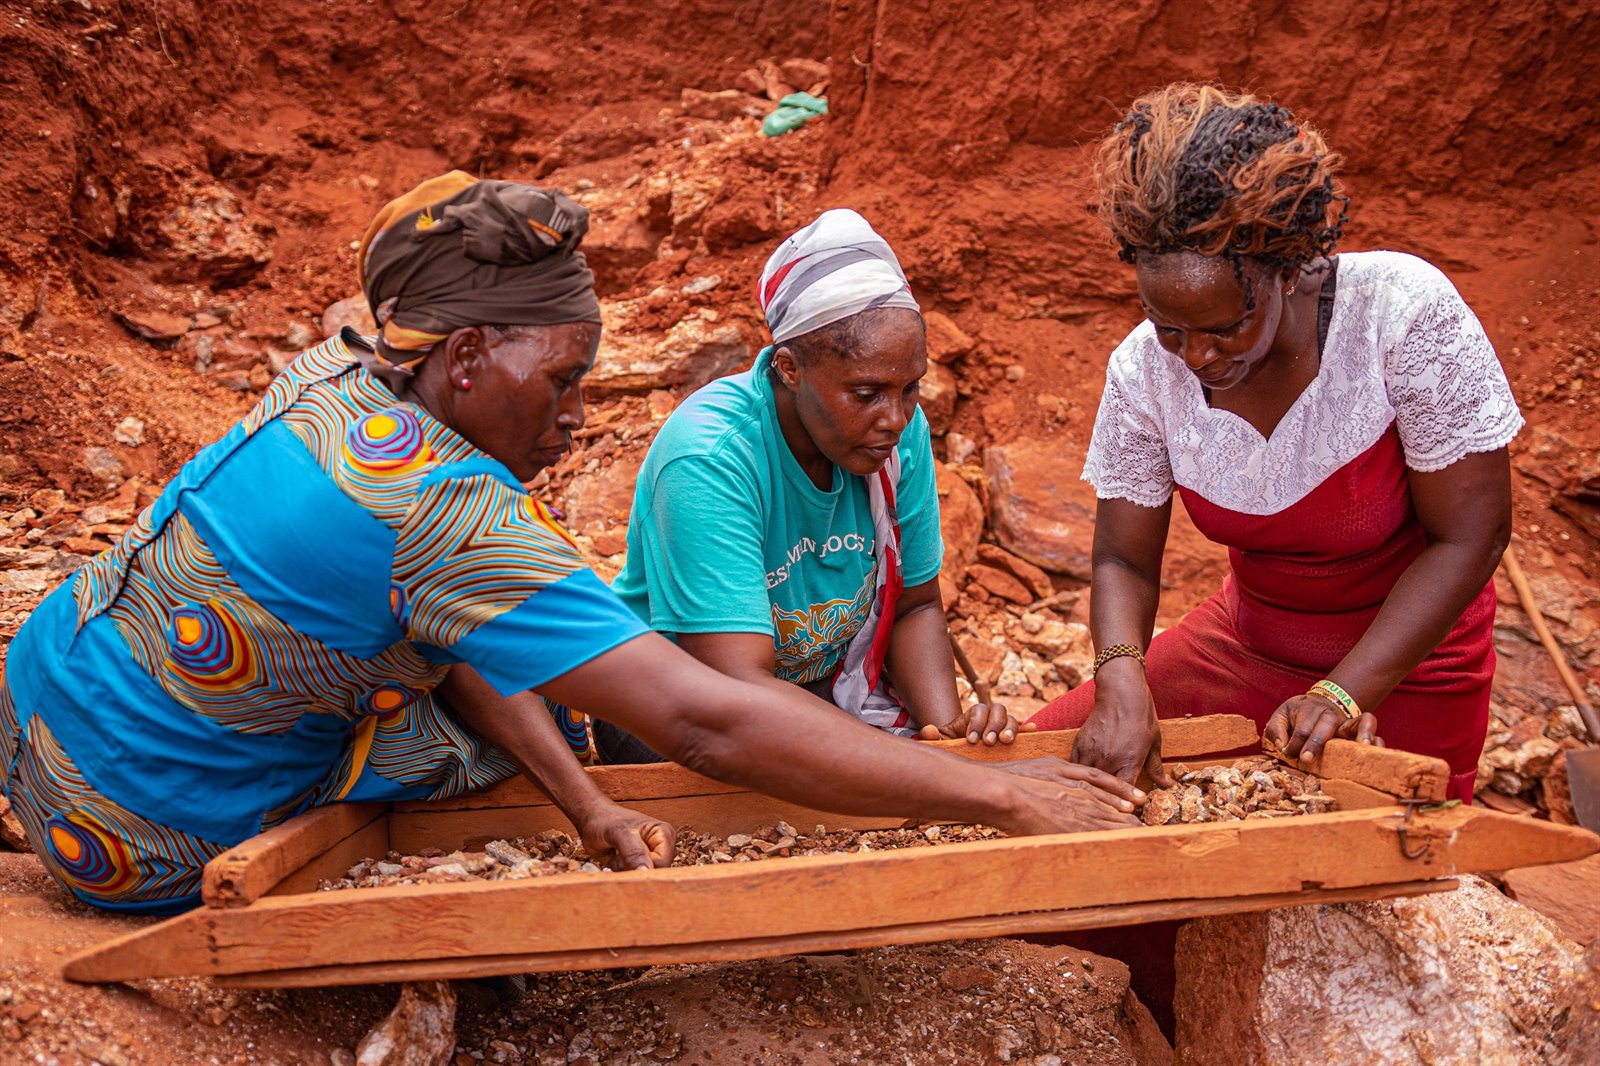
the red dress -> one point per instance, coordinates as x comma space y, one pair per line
1314, 557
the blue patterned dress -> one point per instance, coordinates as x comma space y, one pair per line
267, 636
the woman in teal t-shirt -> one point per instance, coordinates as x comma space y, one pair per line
785, 526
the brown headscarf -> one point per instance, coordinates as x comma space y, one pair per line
456, 251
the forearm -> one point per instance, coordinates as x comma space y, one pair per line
922, 666
1418, 614
780, 740
521, 726
1122, 602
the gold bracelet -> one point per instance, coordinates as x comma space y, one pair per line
1337, 696
1116, 651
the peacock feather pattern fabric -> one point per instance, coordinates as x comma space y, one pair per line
268, 635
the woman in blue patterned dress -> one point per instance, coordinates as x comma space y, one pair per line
350, 596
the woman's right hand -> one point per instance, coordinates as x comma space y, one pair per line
1122, 735
1055, 796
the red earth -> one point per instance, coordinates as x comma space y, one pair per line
215, 163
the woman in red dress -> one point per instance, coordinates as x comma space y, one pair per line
1340, 422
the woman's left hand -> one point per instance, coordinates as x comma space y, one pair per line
625, 839
985, 722
1303, 724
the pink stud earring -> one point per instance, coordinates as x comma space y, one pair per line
466, 383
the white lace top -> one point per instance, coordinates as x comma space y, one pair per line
1402, 348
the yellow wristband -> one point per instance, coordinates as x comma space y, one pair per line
1337, 696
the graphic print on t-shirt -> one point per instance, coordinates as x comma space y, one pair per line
810, 641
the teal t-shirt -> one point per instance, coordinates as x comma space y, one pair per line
729, 535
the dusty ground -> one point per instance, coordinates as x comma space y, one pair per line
184, 184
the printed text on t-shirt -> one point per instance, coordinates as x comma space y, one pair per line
805, 546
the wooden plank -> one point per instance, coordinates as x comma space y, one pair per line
1399, 773
249, 870
1354, 797
370, 842
176, 947
834, 893
773, 947
1180, 738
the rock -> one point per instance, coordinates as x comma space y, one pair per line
1462, 977
129, 431
960, 521
743, 215
12, 835
420, 1031
961, 978
947, 342
103, 463
298, 337
988, 654
1038, 506
703, 285
720, 106
602, 500
278, 361
1567, 893
699, 348
209, 237
237, 380
939, 398
1528, 760
1037, 581
47, 502
691, 196
158, 327
999, 583
1055, 640
958, 448
103, 1054
619, 243
28, 582
804, 73
1558, 792
352, 311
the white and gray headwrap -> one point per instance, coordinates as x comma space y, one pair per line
834, 268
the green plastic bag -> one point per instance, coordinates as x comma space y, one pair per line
794, 111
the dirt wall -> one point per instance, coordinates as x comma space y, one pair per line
1434, 94
108, 106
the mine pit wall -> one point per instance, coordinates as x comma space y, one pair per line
986, 108
103, 105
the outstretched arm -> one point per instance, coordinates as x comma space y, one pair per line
787, 744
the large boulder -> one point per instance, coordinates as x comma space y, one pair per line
602, 499
1455, 978
1039, 508
700, 347
420, 1031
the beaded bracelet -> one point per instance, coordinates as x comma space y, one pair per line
1113, 652
1336, 696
